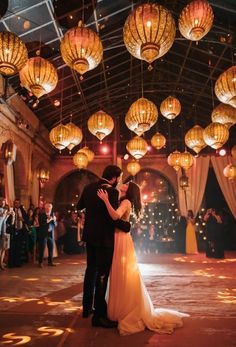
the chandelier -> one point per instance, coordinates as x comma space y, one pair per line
230, 171
80, 160
133, 167
158, 141
174, 160
224, 114
81, 49
88, 152
60, 136
75, 135
216, 135
100, 124
39, 76
142, 115
170, 107
186, 160
194, 139
225, 87
13, 53
149, 32
196, 20
137, 147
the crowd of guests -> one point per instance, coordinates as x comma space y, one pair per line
39, 233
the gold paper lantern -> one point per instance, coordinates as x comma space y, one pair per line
133, 167
75, 136
149, 32
137, 147
233, 151
39, 76
100, 124
81, 49
80, 160
216, 135
174, 160
142, 115
13, 53
225, 87
186, 160
158, 141
170, 107
194, 139
60, 136
196, 20
224, 114
88, 152
230, 172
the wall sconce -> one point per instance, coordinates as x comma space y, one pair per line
9, 152
183, 182
43, 175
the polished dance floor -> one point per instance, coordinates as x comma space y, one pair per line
42, 307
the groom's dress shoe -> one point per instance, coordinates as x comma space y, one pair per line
87, 313
104, 323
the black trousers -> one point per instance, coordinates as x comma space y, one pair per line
42, 242
99, 260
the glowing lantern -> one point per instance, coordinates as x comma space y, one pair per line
100, 124
196, 20
133, 167
13, 53
75, 135
60, 136
158, 141
230, 172
137, 147
216, 135
194, 139
88, 152
38, 76
80, 160
149, 32
142, 115
81, 49
186, 160
225, 87
170, 107
174, 160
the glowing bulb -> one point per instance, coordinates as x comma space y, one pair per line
222, 152
196, 21
149, 24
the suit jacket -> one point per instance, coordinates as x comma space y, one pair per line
99, 227
44, 226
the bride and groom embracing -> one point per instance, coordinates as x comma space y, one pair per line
125, 302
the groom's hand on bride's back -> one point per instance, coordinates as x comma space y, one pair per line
122, 225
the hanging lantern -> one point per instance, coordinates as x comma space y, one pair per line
149, 32
13, 53
100, 124
170, 107
158, 141
196, 20
142, 115
186, 160
183, 182
174, 160
43, 175
225, 87
133, 167
216, 135
75, 136
88, 152
80, 160
230, 172
81, 49
137, 147
194, 139
60, 136
224, 114
39, 76
233, 151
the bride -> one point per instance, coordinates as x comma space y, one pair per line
128, 300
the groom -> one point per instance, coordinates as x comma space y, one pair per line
99, 237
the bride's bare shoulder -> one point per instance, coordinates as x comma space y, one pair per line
126, 203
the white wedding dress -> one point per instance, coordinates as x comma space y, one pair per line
128, 300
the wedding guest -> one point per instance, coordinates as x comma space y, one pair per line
180, 233
191, 240
214, 234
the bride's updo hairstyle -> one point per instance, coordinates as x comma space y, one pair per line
133, 194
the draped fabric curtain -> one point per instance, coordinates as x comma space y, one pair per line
9, 184
228, 187
35, 190
191, 198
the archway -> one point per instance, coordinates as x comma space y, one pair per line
70, 188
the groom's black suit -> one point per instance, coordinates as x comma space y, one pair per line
98, 234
